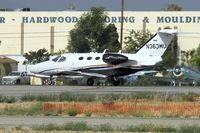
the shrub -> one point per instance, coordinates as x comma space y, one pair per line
104, 128
150, 128
8, 99
72, 112
48, 127
88, 114
79, 126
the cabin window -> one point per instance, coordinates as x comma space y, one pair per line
56, 58
97, 58
80, 58
62, 59
89, 58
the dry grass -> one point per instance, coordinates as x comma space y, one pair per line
18, 104
136, 108
140, 108
21, 108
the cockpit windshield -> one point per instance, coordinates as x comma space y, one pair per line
62, 59
56, 58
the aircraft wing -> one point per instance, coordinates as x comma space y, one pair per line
128, 64
38, 75
73, 72
141, 73
70, 73
92, 74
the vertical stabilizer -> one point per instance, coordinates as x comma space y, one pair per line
158, 44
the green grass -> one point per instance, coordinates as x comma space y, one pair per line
82, 126
151, 128
189, 129
79, 126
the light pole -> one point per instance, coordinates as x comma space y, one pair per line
122, 22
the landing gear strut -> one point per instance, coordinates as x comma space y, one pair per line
90, 81
51, 81
115, 81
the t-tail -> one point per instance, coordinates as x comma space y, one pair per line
158, 44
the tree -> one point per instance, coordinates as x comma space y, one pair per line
135, 40
173, 7
186, 56
170, 57
195, 59
34, 57
110, 39
92, 34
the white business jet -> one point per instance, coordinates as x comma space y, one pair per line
107, 65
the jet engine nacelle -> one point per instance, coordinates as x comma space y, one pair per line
114, 58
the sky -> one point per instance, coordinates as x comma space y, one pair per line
110, 5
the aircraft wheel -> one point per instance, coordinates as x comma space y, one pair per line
194, 83
51, 82
90, 82
18, 82
116, 83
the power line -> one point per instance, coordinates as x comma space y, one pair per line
34, 36
33, 32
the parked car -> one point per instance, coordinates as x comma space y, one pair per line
16, 77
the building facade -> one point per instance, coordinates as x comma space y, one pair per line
7, 65
21, 32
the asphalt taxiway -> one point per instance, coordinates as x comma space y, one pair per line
21, 90
6, 121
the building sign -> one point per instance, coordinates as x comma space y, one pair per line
74, 19
178, 19
108, 19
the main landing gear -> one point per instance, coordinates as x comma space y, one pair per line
115, 81
90, 81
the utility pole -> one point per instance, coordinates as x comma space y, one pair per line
122, 22
22, 39
52, 39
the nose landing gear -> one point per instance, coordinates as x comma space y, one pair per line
51, 81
